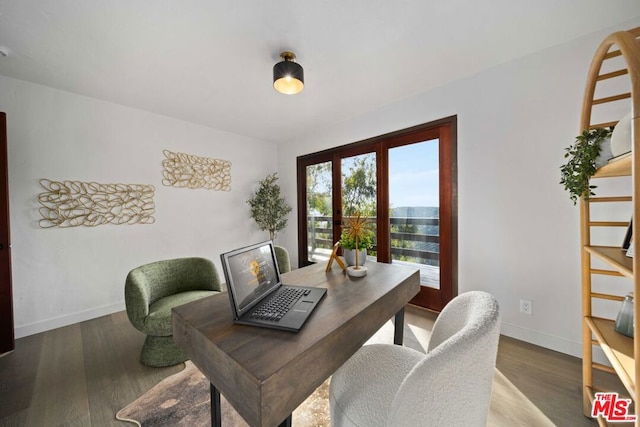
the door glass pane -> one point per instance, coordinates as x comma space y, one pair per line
414, 209
359, 191
319, 212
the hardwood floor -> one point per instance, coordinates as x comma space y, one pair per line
79, 375
82, 374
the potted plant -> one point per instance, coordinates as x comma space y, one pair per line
348, 244
581, 163
268, 209
355, 239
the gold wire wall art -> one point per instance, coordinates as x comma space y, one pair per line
74, 203
191, 171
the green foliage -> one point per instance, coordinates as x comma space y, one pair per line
402, 243
581, 163
359, 186
349, 242
405, 228
319, 188
268, 209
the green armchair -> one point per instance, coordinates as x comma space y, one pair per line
282, 258
152, 290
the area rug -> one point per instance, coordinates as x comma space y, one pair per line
183, 399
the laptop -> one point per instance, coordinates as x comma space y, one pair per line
256, 294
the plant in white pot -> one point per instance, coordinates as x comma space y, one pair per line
356, 238
268, 209
582, 162
348, 245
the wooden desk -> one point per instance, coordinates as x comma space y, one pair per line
266, 373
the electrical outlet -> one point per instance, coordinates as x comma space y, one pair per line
525, 306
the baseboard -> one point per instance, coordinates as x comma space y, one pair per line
67, 319
550, 342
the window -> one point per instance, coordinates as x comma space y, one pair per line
406, 182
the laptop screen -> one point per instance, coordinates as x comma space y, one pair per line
251, 273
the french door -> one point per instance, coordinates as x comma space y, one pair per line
405, 182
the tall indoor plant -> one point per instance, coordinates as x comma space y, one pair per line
268, 208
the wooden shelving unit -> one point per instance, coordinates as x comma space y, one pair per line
618, 167
597, 331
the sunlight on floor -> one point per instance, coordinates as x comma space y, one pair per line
509, 407
422, 335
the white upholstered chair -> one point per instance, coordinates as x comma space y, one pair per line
450, 385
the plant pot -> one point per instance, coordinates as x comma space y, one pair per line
621, 136
350, 256
605, 153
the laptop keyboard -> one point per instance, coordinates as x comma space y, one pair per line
279, 304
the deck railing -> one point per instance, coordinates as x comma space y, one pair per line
413, 246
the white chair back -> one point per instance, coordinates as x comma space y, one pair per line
451, 386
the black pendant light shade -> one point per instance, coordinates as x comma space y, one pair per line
288, 76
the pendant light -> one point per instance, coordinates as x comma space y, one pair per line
288, 76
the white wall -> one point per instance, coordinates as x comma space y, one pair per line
62, 276
518, 230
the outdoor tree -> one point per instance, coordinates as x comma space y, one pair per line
358, 193
268, 208
359, 187
319, 188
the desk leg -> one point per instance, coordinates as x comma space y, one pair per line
216, 410
286, 422
398, 334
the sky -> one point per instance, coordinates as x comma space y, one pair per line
413, 175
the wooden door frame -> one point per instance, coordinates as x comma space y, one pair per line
436, 299
446, 131
7, 338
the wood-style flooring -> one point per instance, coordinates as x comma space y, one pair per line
82, 374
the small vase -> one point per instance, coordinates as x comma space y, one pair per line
350, 256
624, 322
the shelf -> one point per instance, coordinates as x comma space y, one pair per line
592, 396
614, 256
598, 332
616, 167
618, 349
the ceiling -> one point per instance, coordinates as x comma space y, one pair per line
209, 61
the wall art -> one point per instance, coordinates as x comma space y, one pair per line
74, 203
191, 171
